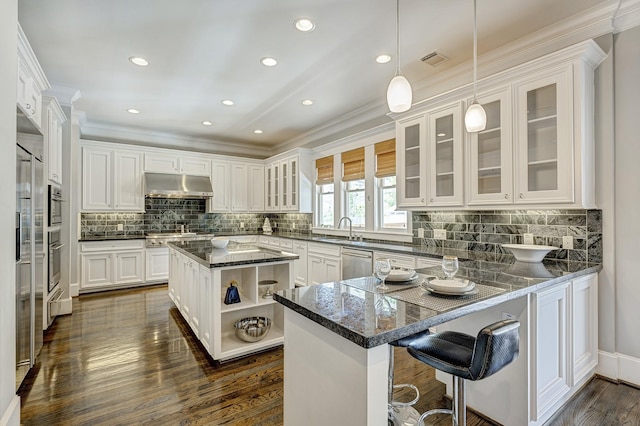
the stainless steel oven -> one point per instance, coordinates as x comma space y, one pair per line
55, 205
54, 259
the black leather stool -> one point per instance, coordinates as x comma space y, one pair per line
402, 413
467, 358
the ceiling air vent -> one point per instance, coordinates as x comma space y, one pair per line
434, 59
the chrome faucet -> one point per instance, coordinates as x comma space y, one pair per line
350, 225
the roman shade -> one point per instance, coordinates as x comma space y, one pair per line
324, 170
385, 158
353, 164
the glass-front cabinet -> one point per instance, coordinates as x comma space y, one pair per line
445, 171
544, 146
490, 153
411, 144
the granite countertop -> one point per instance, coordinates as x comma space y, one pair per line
234, 254
355, 310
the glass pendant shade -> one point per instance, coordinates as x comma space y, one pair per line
399, 95
475, 120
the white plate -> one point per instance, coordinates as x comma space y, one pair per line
452, 286
445, 293
401, 275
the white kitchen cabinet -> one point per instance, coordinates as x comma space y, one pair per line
411, 159
584, 327
111, 179
396, 260
195, 166
174, 163
239, 187
544, 161
324, 263
205, 313
255, 188
221, 200
31, 82
53, 138
157, 264
445, 151
288, 183
300, 266
273, 186
175, 277
491, 152
109, 264
191, 294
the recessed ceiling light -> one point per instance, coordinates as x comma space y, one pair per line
227, 102
304, 24
383, 59
307, 102
133, 111
139, 61
257, 131
268, 62
207, 123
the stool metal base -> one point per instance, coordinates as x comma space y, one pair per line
403, 416
458, 410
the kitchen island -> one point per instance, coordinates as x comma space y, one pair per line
337, 335
199, 275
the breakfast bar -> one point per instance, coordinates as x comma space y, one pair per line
337, 335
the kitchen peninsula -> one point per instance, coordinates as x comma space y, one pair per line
199, 275
337, 335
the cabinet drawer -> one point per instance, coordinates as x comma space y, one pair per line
287, 244
397, 261
91, 246
324, 249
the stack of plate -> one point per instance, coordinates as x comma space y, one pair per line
401, 276
452, 287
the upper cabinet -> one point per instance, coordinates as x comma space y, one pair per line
237, 187
287, 183
111, 179
53, 138
536, 150
31, 82
174, 163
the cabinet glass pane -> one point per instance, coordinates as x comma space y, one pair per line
542, 135
294, 183
269, 191
276, 186
444, 156
489, 143
412, 161
284, 185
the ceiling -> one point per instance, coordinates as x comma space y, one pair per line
203, 51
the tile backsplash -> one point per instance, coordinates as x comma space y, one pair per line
166, 215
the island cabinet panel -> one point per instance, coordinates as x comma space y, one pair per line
199, 293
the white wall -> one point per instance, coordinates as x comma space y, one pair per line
627, 191
9, 411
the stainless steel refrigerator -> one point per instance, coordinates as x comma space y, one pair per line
30, 258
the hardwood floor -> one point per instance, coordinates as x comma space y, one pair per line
127, 357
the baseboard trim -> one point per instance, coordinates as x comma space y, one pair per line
11, 417
66, 306
74, 289
620, 367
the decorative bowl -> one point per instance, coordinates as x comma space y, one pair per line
220, 242
252, 329
530, 253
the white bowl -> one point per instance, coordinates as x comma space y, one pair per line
530, 253
219, 242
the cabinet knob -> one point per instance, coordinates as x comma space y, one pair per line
521, 195
506, 196
29, 107
431, 201
422, 200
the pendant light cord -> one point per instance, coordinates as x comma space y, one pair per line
398, 36
475, 51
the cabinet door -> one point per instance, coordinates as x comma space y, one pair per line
161, 163
24, 85
277, 187
97, 270
239, 187
194, 296
268, 188
96, 179
185, 289
333, 269
172, 275
127, 182
129, 267
157, 265
195, 166
221, 186
544, 161
584, 326
54, 146
549, 352
490, 153
285, 183
293, 184
206, 302
317, 271
300, 265
255, 188
411, 162
445, 171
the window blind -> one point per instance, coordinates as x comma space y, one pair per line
353, 164
385, 158
324, 170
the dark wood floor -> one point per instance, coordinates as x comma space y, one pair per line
127, 358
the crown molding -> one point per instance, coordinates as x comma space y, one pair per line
627, 16
65, 95
26, 55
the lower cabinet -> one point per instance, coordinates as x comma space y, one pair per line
324, 264
111, 264
300, 266
157, 265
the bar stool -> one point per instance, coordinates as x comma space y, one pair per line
467, 358
402, 413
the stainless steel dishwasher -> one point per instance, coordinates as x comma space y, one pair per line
356, 263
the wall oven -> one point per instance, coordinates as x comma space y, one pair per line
54, 259
55, 205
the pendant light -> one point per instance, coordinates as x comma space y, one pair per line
475, 120
399, 96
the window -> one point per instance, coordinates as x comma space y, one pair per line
355, 202
389, 217
324, 190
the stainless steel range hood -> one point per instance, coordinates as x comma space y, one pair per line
164, 185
